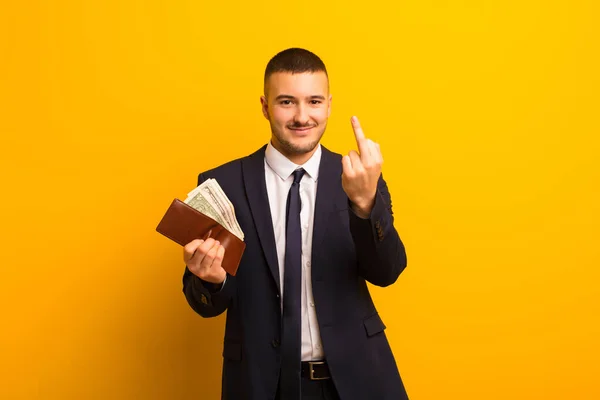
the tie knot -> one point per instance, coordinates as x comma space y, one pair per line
298, 174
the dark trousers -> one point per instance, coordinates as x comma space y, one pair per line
317, 390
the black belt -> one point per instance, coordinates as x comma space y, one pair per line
315, 370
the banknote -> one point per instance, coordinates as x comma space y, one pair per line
209, 194
209, 199
216, 192
201, 204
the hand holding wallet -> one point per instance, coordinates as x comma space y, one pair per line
183, 224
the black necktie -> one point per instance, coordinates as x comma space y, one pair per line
291, 335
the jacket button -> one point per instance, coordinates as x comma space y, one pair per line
203, 299
275, 343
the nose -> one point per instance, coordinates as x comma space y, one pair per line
301, 117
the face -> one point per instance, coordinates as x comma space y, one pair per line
297, 107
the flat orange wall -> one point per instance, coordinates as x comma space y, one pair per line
487, 114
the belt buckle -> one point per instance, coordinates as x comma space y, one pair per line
312, 371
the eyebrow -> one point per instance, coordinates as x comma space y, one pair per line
289, 97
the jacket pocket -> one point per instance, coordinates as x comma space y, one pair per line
232, 351
373, 325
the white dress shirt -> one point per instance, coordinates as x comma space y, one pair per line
278, 176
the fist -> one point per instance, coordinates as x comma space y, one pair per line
361, 171
203, 259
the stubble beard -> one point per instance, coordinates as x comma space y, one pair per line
290, 148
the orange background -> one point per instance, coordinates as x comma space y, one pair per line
487, 115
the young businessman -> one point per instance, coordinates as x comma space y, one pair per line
300, 320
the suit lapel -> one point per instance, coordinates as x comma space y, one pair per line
253, 169
330, 197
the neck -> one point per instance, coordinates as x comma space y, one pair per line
299, 159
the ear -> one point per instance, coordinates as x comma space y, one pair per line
329, 108
265, 106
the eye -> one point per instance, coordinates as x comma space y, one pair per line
315, 102
285, 102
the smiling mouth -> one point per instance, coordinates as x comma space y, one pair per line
302, 129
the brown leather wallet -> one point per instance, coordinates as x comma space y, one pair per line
182, 224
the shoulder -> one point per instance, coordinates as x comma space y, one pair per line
231, 169
329, 153
330, 161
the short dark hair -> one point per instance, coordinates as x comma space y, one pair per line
295, 61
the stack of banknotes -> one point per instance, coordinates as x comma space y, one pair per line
210, 200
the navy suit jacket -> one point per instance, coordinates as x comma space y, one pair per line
347, 251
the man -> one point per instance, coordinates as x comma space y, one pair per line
300, 320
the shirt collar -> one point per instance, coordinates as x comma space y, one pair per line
283, 167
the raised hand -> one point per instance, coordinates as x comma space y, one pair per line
361, 171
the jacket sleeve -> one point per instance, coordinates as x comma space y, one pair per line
204, 297
380, 252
